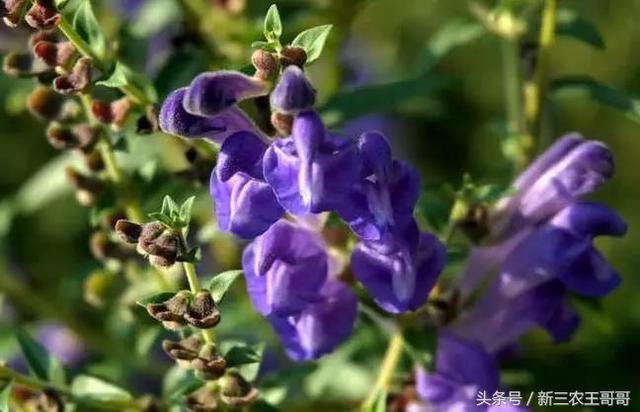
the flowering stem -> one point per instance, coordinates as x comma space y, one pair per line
387, 369
536, 90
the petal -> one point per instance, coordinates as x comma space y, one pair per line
241, 152
376, 153
213, 92
308, 134
590, 220
175, 120
293, 92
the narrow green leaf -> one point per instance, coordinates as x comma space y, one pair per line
87, 26
312, 41
600, 93
570, 24
40, 362
221, 283
5, 395
243, 355
156, 298
162, 218
267, 46
185, 210
169, 206
272, 24
88, 388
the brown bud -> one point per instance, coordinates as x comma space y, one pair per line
293, 55
236, 391
112, 217
83, 182
209, 364
43, 35
45, 103
86, 135
282, 123
93, 160
61, 137
186, 349
78, 81
148, 122
266, 65
203, 312
22, 65
12, 11
202, 400
102, 111
54, 54
171, 310
104, 248
114, 113
43, 15
128, 231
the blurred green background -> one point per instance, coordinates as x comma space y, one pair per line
448, 131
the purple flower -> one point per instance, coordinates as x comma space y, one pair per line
245, 203
570, 169
312, 171
462, 370
399, 274
285, 269
61, 343
385, 198
293, 93
321, 326
206, 108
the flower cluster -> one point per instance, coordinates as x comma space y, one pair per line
542, 250
267, 187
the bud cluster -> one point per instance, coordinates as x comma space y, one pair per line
198, 310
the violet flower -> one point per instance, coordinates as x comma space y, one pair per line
285, 268
399, 274
312, 171
245, 204
206, 108
293, 93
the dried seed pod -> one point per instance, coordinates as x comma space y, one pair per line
78, 81
266, 65
87, 188
128, 231
60, 137
282, 123
209, 365
114, 113
103, 248
293, 55
171, 310
43, 15
86, 135
110, 218
236, 391
43, 35
12, 11
23, 65
45, 103
203, 399
186, 349
54, 54
203, 312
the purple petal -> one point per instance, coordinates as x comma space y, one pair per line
320, 327
241, 152
376, 153
294, 92
213, 92
589, 220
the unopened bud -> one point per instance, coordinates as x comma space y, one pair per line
266, 64
282, 122
43, 35
236, 391
293, 55
171, 310
54, 54
114, 113
43, 15
45, 103
203, 312
12, 11
78, 81
186, 349
128, 231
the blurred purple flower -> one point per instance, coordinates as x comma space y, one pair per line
245, 204
312, 171
206, 108
293, 93
321, 326
400, 273
63, 344
285, 269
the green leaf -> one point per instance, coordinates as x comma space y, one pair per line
312, 41
380, 98
221, 283
185, 210
88, 388
600, 93
272, 24
571, 25
162, 218
454, 34
266, 46
179, 382
169, 206
122, 76
87, 26
420, 345
155, 298
41, 363
5, 395
243, 354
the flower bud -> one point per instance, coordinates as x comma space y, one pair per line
128, 231
61, 137
12, 11
78, 81
160, 243
43, 15
209, 365
203, 312
45, 103
114, 113
202, 400
54, 54
266, 64
282, 123
186, 349
293, 55
236, 391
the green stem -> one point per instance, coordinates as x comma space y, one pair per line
194, 286
387, 369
